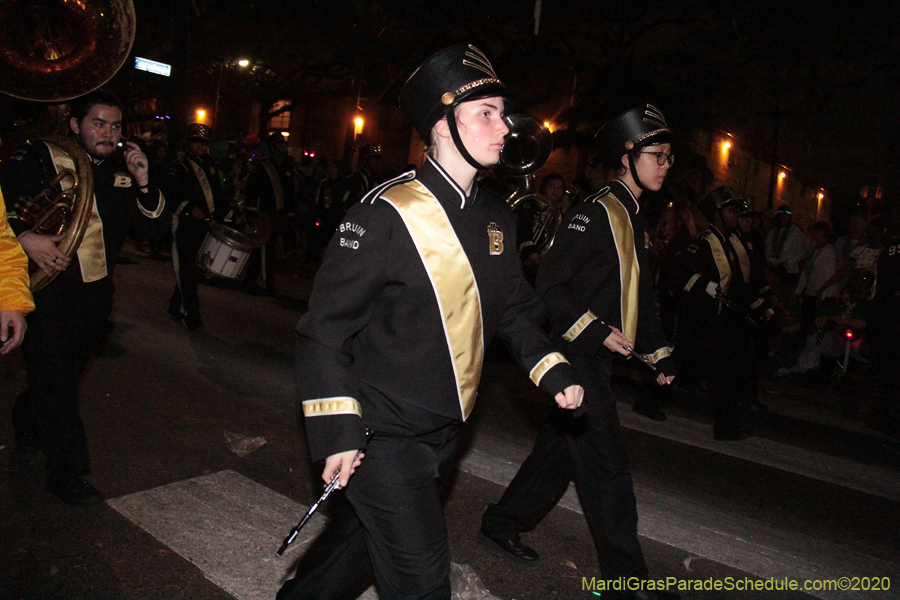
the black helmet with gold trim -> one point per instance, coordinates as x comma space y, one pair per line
456, 74
643, 125
718, 199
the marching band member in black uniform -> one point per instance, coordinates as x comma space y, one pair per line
271, 190
718, 301
418, 279
73, 308
194, 195
597, 288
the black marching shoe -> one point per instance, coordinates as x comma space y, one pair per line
75, 492
513, 547
192, 323
648, 410
732, 435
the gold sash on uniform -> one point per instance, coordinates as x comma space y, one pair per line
276, 183
92, 250
204, 185
629, 269
453, 280
722, 265
743, 257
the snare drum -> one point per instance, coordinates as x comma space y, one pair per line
224, 252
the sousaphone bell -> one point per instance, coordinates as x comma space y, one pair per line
526, 149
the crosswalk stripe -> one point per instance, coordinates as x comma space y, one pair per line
229, 526
701, 529
831, 469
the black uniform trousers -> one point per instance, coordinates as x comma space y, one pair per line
262, 260
187, 238
393, 526
590, 449
62, 333
722, 351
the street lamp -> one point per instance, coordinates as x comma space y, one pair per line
243, 63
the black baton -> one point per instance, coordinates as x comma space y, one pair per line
333, 484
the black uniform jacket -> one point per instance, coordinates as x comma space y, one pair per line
415, 283
717, 258
272, 185
595, 275
194, 182
118, 204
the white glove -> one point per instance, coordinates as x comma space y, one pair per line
712, 288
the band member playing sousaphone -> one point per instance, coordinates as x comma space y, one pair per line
418, 279
72, 309
194, 195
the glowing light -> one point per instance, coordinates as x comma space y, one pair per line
548, 126
782, 175
243, 62
726, 146
357, 125
201, 113
849, 334
286, 134
821, 196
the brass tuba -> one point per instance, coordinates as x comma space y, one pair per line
64, 205
526, 148
52, 51
56, 50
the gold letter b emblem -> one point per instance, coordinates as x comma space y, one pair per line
496, 239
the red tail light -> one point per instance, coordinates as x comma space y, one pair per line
849, 334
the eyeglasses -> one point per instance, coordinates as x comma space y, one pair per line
662, 158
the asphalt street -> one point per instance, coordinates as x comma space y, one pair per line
813, 497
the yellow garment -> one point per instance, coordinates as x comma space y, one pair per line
15, 293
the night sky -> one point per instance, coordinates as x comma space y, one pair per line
824, 74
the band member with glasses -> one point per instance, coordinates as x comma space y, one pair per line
72, 310
420, 276
598, 292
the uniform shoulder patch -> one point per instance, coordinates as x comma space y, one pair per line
599, 194
375, 192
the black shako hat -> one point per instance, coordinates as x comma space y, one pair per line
643, 125
456, 74
276, 137
197, 132
716, 200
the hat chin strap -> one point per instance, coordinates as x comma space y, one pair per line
454, 133
634, 174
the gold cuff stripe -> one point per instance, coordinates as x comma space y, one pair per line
545, 364
157, 211
756, 304
658, 355
579, 326
331, 406
691, 282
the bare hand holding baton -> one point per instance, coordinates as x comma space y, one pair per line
334, 484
